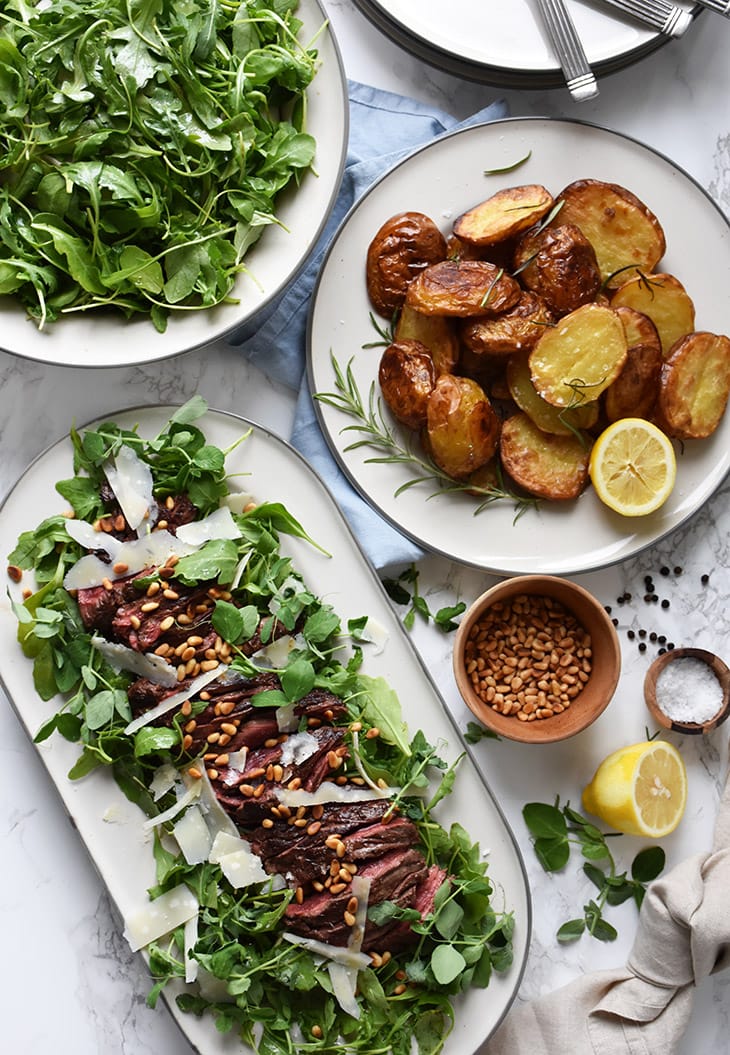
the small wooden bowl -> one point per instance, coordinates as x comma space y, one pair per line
716, 665
605, 664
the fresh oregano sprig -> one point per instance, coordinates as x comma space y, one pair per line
554, 830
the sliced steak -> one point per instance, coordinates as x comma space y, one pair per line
393, 877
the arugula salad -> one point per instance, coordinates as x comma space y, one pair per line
306, 896
143, 146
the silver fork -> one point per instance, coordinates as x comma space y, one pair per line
575, 66
661, 15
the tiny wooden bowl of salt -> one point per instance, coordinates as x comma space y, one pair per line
688, 690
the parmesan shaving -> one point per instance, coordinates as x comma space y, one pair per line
242, 868
155, 918
217, 525
150, 551
336, 953
192, 836
131, 481
146, 664
175, 700
86, 535
190, 937
188, 796
329, 792
344, 984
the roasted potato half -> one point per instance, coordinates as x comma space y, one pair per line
405, 244
407, 378
504, 215
664, 300
635, 391
638, 327
545, 465
560, 264
462, 429
580, 357
435, 331
463, 288
560, 422
694, 387
623, 231
511, 332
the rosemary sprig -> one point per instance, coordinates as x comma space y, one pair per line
508, 168
374, 431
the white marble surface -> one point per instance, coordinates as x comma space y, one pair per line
69, 982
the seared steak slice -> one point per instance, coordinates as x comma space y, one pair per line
393, 877
377, 839
397, 935
303, 854
99, 604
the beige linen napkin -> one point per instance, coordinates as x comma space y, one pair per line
642, 1009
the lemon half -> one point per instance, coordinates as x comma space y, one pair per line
640, 789
633, 467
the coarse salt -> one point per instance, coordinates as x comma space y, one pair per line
688, 690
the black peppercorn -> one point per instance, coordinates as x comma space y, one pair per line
664, 570
642, 646
665, 603
677, 570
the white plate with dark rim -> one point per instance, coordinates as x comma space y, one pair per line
111, 827
442, 180
98, 339
505, 43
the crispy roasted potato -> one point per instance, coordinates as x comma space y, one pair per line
462, 289
405, 244
435, 331
561, 422
513, 331
545, 465
560, 264
623, 231
635, 391
694, 386
458, 250
462, 429
664, 300
576, 360
504, 215
407, 378
639, 328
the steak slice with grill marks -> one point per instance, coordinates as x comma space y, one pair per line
304, 855
393, 877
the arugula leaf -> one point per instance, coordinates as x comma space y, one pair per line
145, 147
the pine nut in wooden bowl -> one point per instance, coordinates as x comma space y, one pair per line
536, 658
688, 690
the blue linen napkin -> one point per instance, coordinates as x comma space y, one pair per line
384, 128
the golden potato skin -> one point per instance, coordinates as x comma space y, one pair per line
461, 289
638, 327
561, 422
622, 229
504, 214
462, 426
405, 244
407, 378
516, 330
634, 392
662, 298
545, 465
435, 331
560, 264
694, 387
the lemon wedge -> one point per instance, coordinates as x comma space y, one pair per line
640, 789
633, 467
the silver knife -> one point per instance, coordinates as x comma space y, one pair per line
667, 18
578, 74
